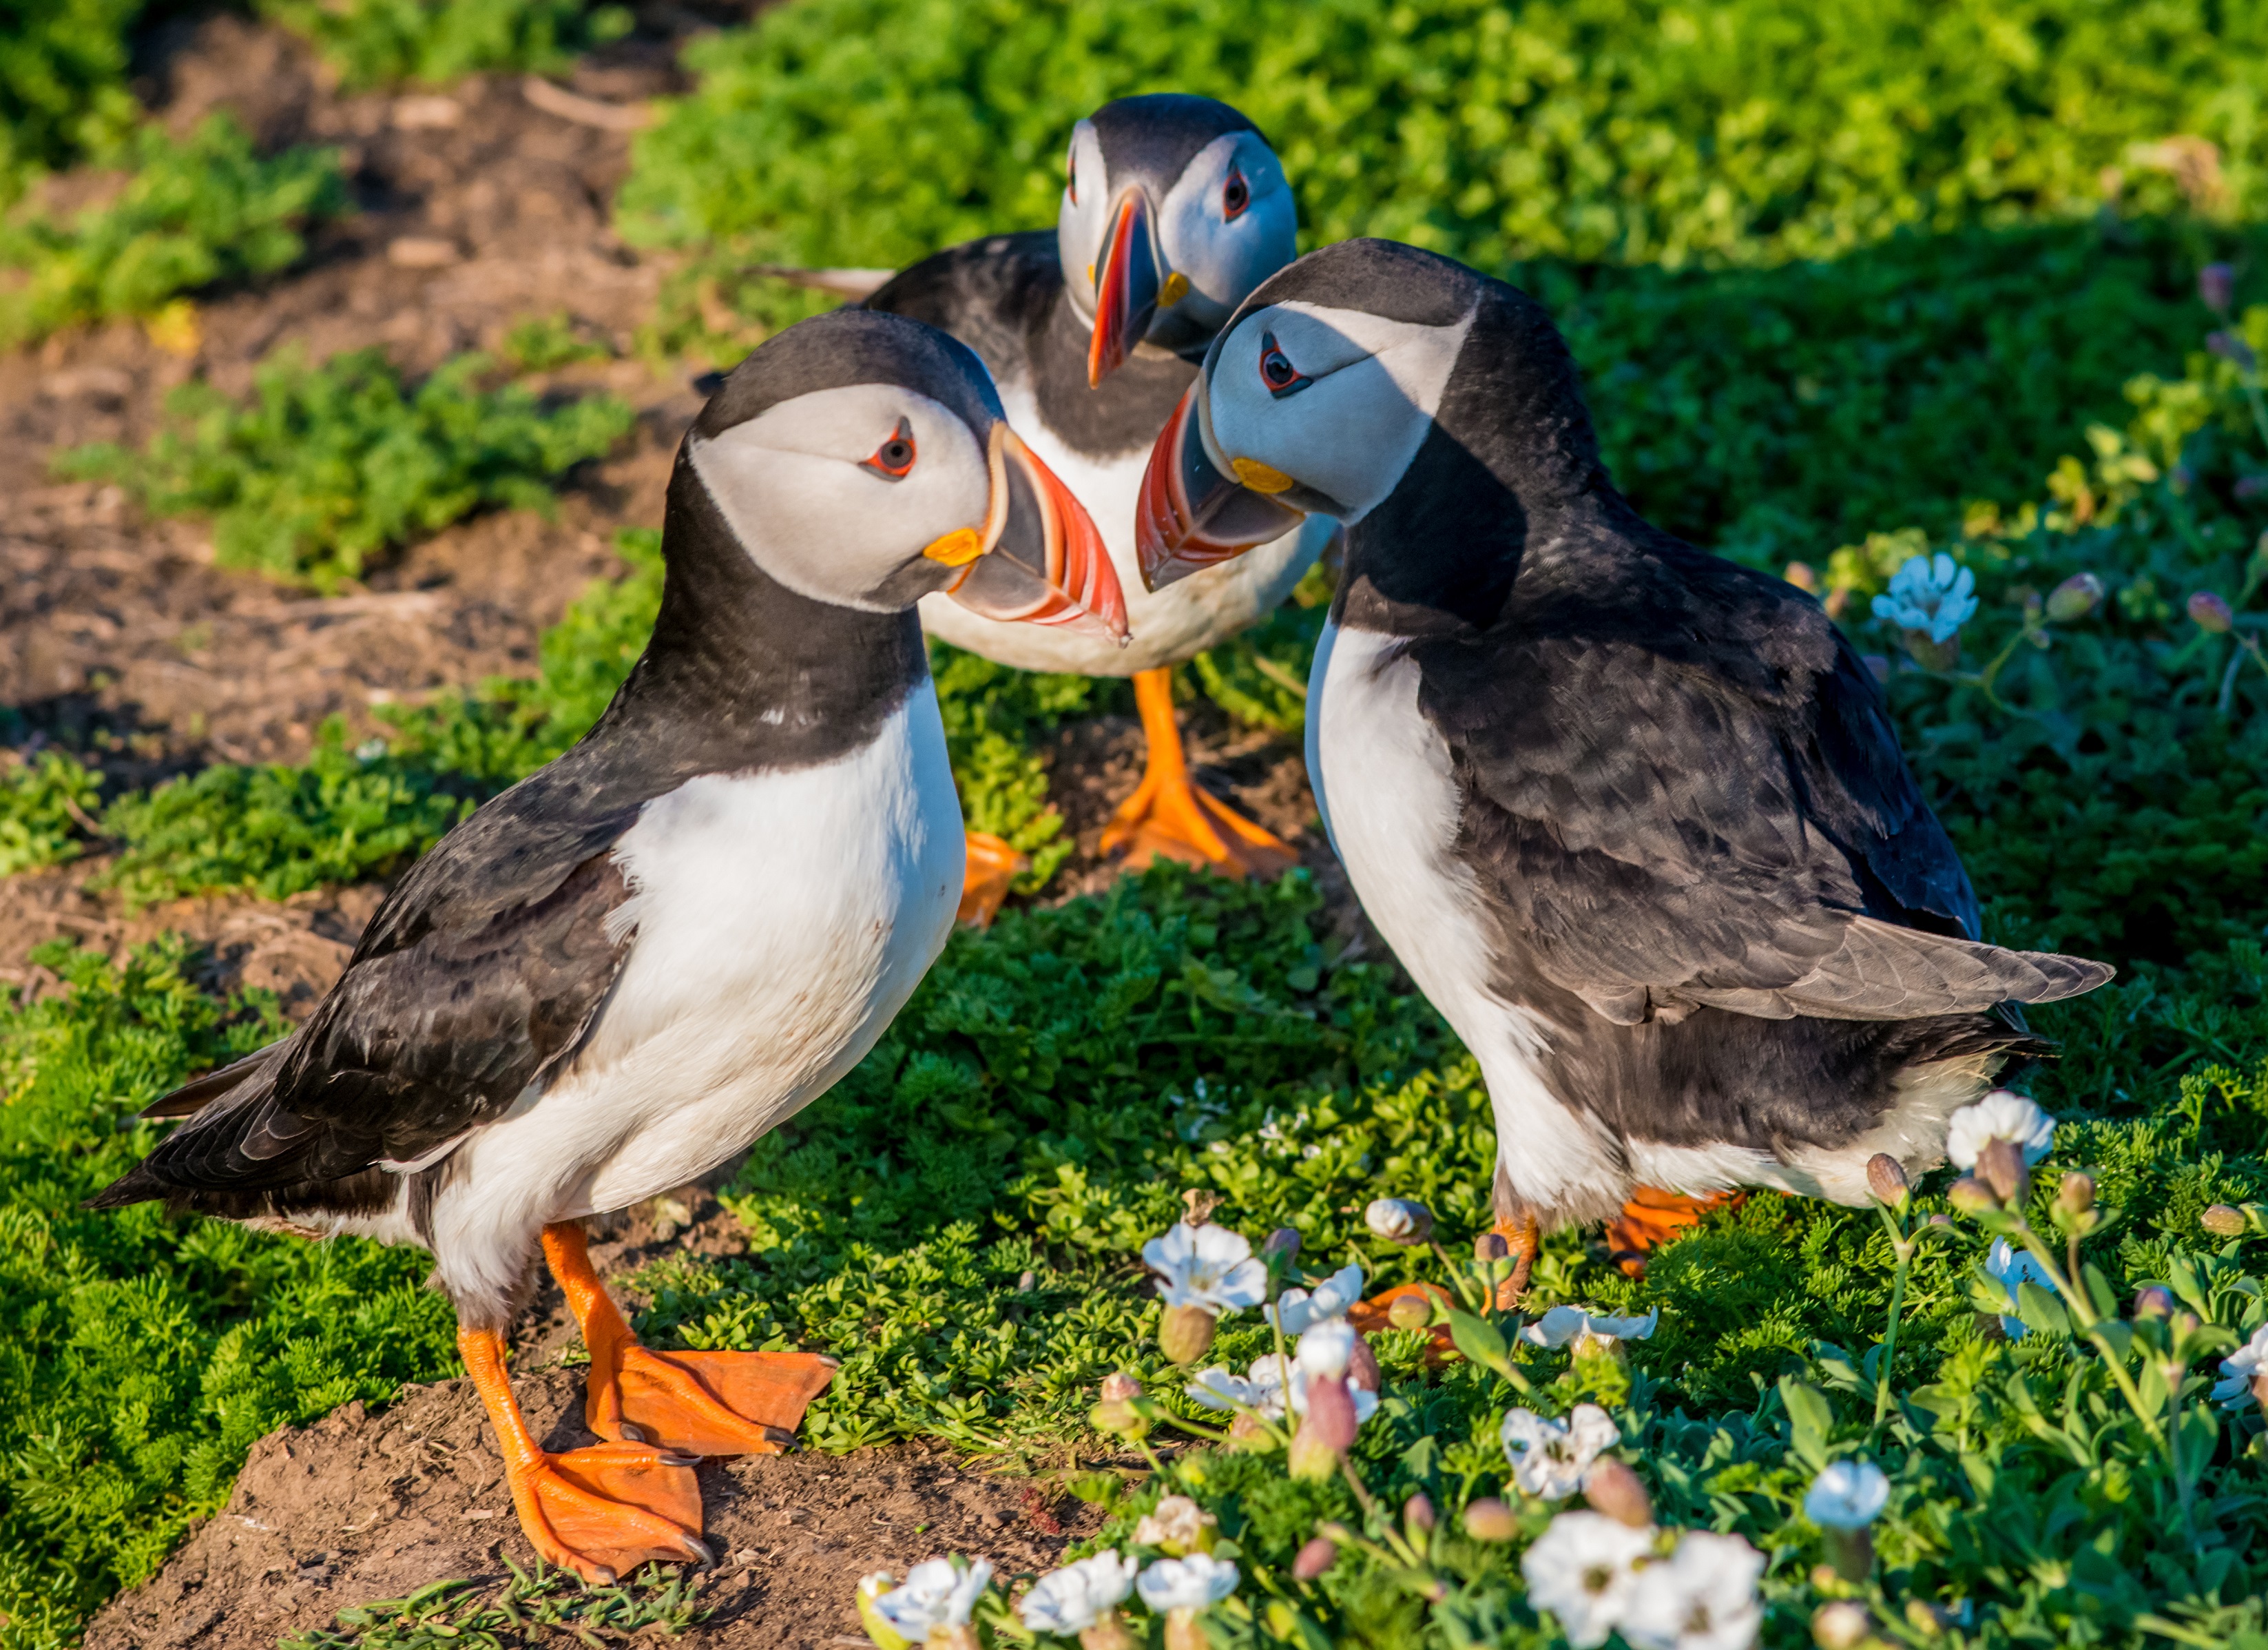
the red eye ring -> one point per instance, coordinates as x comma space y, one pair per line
1236, 195
1276, 370
896, 456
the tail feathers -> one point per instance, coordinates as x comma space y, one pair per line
199, 1091
1885, 972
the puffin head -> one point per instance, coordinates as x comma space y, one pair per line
1173, 208
861, 460
1369, 380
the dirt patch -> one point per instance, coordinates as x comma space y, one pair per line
361, 1507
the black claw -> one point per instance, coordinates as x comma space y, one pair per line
699, 1550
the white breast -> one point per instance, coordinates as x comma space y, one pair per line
781, 920
1168, 626
1390, 801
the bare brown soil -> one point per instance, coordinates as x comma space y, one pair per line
119, 639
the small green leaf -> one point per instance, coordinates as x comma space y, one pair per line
1811, 1419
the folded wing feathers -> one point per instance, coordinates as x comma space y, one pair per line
1885, 972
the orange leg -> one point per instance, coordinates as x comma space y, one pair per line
705, 1403
601, 1512
1523, 1237
1168, 816
992, 866
1654, 1218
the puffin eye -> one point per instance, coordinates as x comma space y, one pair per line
1236, 195
1276, 370
1070, 177
895, 457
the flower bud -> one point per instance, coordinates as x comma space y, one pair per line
2210, 614
1118, 1386
1330, 1414
1399, 1220
1417, 1512
1108, 1633
2222, 1220
1886, 1179
2153, 1301
1120, 1420
2230, 348
1317, 1556
1491, 1245
1942, 1222
1489, 1519
1970, 1195
1841, 1625
1410, 1312
1185, 1333
2217, 287
1283, 1242
2075, 598
2076, 1195
1362, 1365
1184, 1631
1247, 1431
2001, 1166
1612, 1488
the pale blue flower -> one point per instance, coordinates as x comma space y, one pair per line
2011, 1268
1931, 593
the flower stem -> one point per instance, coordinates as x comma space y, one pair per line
2075, 1299
1902, 1248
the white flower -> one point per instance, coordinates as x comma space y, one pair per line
1209, 1267
2234, 1390
1175, 1521
1550, 1458
2010, 1267
935, 1595
1072, 1599
1563, 1324
1194, 1583
1262, 1389
1848, 1495
1331, 1298
1326, 1349
1929, 593
1703, 1597
1584, 1570
2001, 1115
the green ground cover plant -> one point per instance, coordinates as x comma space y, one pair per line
63, 82
386, 42
328, 464
194, 212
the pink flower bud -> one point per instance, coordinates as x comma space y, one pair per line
2075, 598
1417, 1512
2076, 1195
1841, 1625
2153, 1301
2210, 614
1362, 1365
2217, 286
1612, 1488
1118, 1386
1491, 1245
1185, 1333
2001, 1166
1330, 1417
1283, 1240
1970, 1195
1886, 1179
1317, 1556
1489, 1519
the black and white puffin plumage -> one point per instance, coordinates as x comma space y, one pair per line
625, 968
1634, 817
1173, 208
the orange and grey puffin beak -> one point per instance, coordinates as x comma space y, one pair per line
1127, 284
1190, 516
1038, 559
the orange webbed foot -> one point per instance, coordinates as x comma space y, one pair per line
604, 1511
709, 1404
1167, 817
1652, 1218
993, 865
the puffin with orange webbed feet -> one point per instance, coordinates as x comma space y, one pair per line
633, 963
1633, 816
1173, 208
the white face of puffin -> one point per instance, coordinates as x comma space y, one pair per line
1170, 269
872, 496
834, 492
1302, 409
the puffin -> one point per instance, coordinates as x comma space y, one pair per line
1173, 208
624, 970
1632, 816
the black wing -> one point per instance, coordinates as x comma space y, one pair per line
1681, 786
478, 976
995, 294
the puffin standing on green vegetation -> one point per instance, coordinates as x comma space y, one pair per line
1173, 208
638, 960
1633, 816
